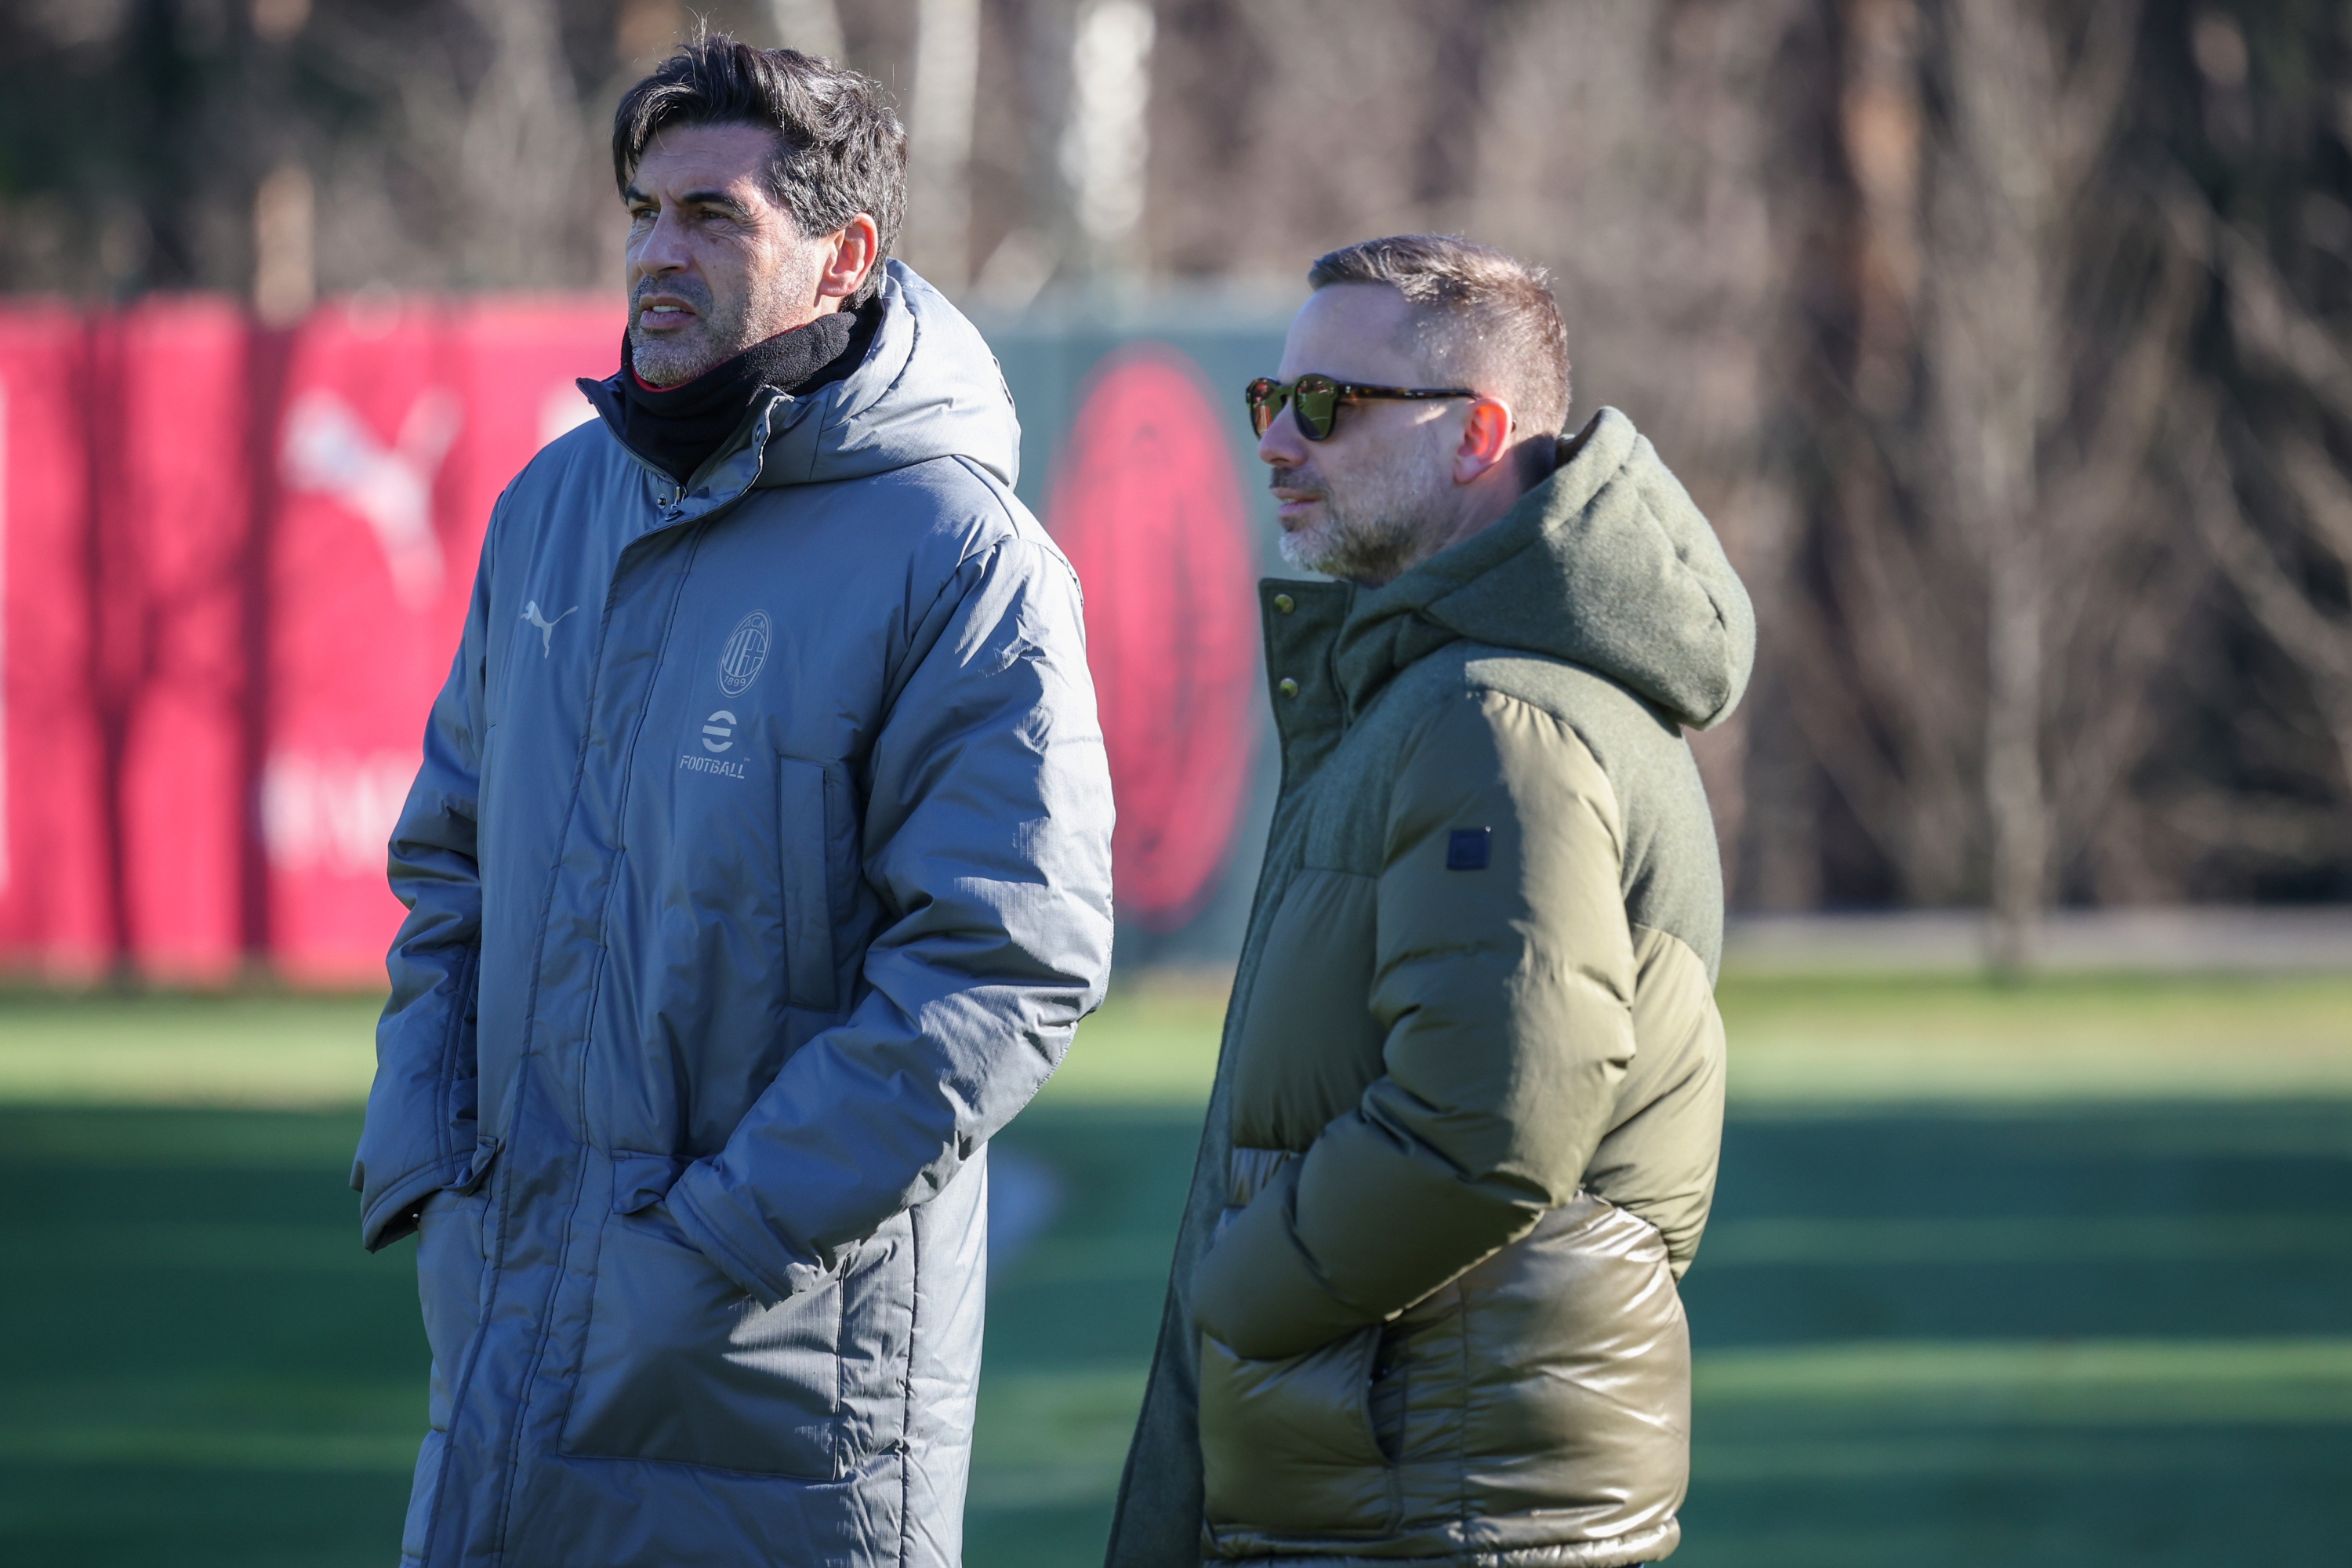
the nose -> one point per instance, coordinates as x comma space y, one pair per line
662, 249
1281, 447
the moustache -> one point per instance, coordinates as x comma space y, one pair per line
685, 288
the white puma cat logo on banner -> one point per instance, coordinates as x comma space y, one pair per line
546, 628
330, 450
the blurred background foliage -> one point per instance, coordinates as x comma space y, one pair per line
2004, 342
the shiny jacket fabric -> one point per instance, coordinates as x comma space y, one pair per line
759, 871
1463, 1135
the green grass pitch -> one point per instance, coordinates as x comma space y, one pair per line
2059, 1274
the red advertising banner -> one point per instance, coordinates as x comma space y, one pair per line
1148, 507
234, 564
54, 893
402, 422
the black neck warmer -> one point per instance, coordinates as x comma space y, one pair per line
679, 427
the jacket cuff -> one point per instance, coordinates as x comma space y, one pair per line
1257, 1292
744, 1250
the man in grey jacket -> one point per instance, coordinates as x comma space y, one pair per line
759, 871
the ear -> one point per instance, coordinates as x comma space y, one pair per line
1485, 439
856, 250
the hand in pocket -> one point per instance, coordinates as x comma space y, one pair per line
1287, 1445
681, 1366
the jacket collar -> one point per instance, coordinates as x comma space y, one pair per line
926, 387
1300, 620
724, 477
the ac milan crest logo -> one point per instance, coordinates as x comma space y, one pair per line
746, 651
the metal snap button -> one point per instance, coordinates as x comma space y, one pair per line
1284, 603
1288, 687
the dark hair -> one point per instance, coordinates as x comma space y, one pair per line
1480, 313
840, 149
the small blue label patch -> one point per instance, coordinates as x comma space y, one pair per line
1466, 848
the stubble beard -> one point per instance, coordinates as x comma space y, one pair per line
673, 358
1377, 524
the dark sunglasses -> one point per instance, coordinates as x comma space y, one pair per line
1317, 399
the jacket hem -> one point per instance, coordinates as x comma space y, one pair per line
1624, 1551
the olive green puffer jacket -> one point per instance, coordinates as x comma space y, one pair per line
1463, 1134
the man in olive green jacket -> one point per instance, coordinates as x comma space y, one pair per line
1463, 1134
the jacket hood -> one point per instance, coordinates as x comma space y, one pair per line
1607, 564
929, 387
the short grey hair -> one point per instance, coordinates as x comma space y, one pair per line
1486, 319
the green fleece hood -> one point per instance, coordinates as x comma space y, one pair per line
1607, 564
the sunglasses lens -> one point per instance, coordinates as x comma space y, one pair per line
1264, 397
1318, 400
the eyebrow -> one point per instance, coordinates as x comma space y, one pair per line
706, 196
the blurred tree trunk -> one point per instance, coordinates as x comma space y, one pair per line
1885, 667
1103, 153
1963, 476
1994, 224
2296, 586
938, 142
2031, 96
523, 114
812, 27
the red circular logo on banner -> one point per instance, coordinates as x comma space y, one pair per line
1147, 505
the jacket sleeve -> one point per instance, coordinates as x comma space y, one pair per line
988, 839
421, 1111
1506, 991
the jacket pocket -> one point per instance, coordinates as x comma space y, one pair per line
806, 841
1288, 1446
681, 1365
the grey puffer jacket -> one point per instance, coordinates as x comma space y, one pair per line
760, 871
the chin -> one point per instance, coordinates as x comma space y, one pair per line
667, 361
1306, 548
